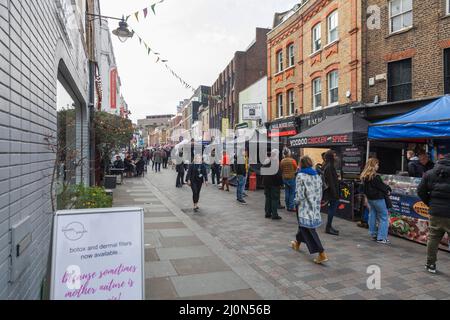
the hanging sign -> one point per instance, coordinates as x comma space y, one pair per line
113, 88
98, 255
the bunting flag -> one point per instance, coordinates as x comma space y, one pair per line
145, 11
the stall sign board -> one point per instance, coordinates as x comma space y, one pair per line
98, 255
329, 141
352, 160
252, 112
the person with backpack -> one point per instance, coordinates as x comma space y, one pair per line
330, 181
377, 193
288, 169
434, 190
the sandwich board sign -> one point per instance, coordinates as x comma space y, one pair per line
98, 255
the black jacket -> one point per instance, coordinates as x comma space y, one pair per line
434, 190
417, 170
118, 164
197, 173
331, 179
376, 189
275, 180
239, 168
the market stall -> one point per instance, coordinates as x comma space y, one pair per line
429, 125
347, 135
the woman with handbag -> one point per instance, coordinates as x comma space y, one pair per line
377, 193
308, 197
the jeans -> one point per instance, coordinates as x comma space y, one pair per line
180, 178
272, 201
157, 166
332, 208
378, 211
438, 227
289, 192
240, 187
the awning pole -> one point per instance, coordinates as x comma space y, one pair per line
403, 160
368, 150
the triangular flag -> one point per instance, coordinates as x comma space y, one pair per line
164, 61
140, 40
149, 50
137, 16
146, 46
145, 12
157, 60
153, 8
128, 17
156, 53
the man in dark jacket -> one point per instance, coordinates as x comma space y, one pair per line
272, 188
240, 176
417, 168
331, 189
434, 190
180, 171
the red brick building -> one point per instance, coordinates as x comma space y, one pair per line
245, 68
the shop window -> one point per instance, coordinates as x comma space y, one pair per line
291, 98
447, 71
333, 23
280, 104
317, 93
400, 14
291, 53
400, 80
316, 38
280, 61
447, 7
333, 88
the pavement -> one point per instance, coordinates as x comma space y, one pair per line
229, 251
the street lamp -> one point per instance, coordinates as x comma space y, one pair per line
122, 32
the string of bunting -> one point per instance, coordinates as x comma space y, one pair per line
145, 11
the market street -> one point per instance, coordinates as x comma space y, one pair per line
229, 251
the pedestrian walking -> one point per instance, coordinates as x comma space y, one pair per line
308, 198
434, 190
331, 189
377, 193
272, 187
165, 158
240, 175
180, 171
158, 159
226, 171
215, 168
288, 169
196, 177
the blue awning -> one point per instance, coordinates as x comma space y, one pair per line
429, 122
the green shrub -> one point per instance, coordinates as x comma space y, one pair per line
92, 198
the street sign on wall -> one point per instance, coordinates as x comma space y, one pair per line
98, 255
252, 111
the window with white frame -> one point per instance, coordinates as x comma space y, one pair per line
333, 88
280, 61
333, 24
291, 99
316, 38
400, 14
291, 53
317, 93
280, 104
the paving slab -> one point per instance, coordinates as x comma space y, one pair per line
191, 266
183, 252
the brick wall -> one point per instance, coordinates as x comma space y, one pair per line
424, 43
32, 44
345, 55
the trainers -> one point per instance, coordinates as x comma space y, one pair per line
385, 242
431, 268
242, 202
276, 218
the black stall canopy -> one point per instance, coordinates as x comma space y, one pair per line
343, 130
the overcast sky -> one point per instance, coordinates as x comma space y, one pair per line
198, 37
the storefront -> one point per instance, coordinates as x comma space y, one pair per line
347, 135
430, 126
